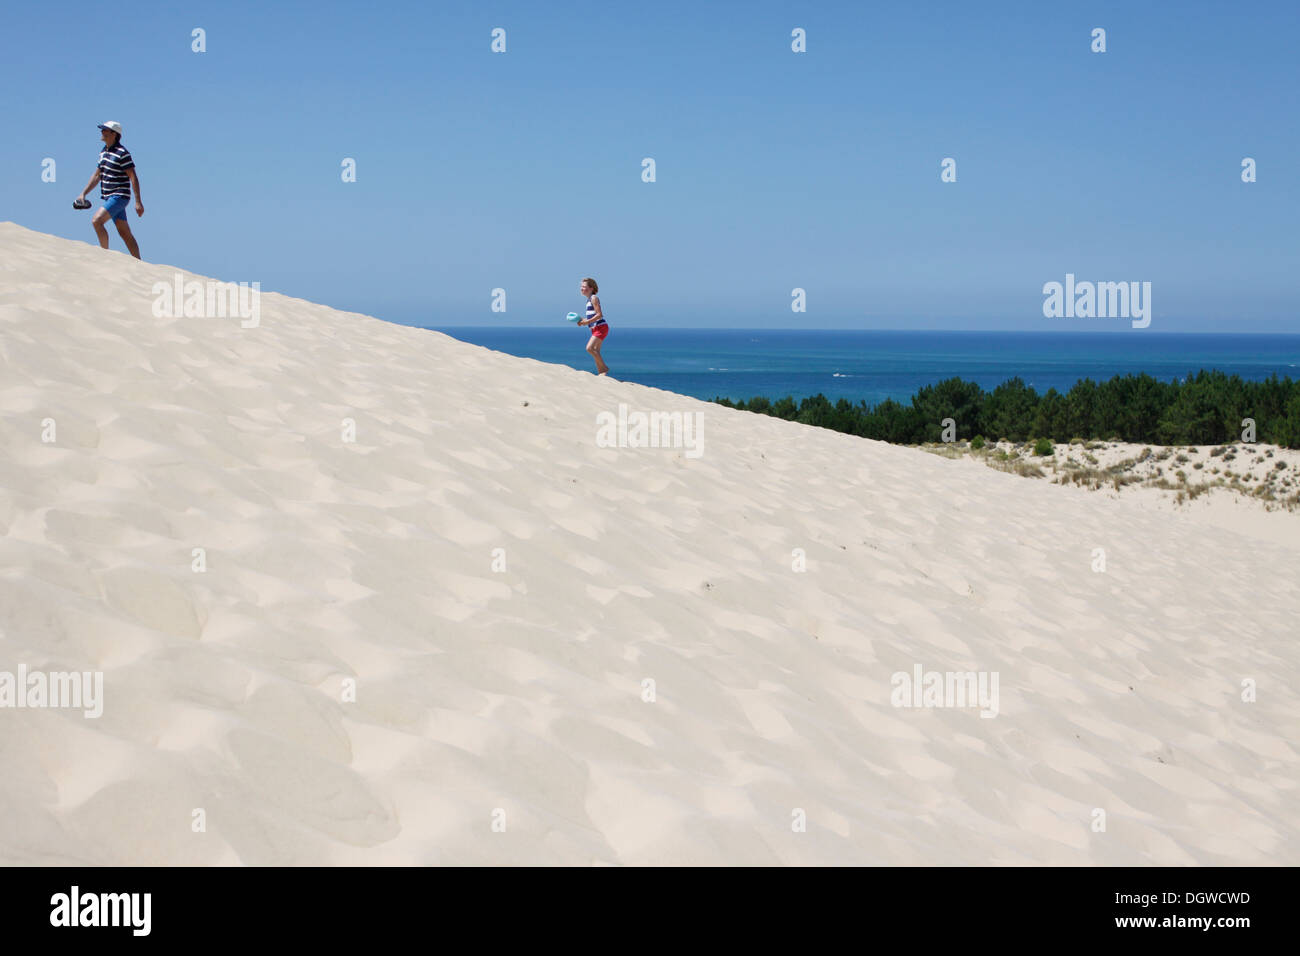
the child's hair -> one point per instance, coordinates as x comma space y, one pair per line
592, 282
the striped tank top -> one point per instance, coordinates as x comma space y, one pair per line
591, 310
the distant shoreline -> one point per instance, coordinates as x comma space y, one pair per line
1207, 408
875, 366
839, 331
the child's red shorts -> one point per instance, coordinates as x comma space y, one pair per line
600, 331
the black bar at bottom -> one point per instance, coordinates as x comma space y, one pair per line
335, 906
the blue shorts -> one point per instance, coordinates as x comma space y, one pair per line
116, 206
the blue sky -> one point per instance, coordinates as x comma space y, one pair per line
775, 170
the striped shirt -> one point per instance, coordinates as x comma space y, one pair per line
114, 161
591, 310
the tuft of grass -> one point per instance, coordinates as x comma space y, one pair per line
941, 449
1024, 469
1122, 466
1277, 488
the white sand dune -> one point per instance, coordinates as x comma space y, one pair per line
517, 695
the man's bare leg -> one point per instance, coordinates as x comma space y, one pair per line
98, 221
124, 230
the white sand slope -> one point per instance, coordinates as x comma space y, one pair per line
516, 696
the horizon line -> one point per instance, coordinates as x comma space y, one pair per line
735, 328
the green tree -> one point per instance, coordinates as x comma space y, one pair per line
952, 398
1009, 410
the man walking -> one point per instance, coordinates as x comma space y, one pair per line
116, 176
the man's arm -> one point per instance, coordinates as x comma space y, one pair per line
135, 184
91, 185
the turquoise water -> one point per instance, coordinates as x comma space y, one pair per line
875, 365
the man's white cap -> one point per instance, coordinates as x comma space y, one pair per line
113, 126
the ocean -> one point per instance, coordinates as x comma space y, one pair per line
874, 365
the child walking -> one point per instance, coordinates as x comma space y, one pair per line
596, 319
